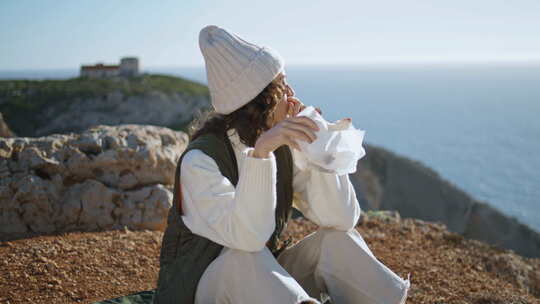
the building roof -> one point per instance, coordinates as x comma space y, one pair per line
100, 66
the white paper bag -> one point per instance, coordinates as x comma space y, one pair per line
337, 149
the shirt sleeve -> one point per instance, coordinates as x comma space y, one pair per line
242, 217
327, 199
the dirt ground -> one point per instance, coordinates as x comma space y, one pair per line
89, 267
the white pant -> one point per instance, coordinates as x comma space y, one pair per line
332, 262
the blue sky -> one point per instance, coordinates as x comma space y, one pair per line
59, 34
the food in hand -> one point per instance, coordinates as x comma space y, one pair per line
339, 125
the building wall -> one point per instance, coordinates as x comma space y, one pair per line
129, 66
99, 73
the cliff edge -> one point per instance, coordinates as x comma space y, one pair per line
387, 181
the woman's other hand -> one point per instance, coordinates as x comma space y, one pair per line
286, 132
296, 106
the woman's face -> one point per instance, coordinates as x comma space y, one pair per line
282, 108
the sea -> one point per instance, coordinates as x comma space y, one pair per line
476, 124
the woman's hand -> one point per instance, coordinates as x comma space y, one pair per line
296, 106
285, 132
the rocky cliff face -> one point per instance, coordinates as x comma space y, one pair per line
154, 108
387, 181
103, 178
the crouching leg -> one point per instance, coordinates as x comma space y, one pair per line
340, 264
237, 276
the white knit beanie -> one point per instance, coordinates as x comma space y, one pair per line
236, 70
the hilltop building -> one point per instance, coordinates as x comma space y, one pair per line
129, 66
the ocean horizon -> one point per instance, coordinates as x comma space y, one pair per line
475, 124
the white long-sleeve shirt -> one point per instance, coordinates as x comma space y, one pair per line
244, 217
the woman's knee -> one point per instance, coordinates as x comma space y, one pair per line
255, 277
240, 259
231, 271
306, 254
334, 238
242, 267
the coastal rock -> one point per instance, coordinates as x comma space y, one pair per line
515, 269
387, 181
152, 108
107, 177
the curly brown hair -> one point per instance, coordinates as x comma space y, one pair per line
249, 121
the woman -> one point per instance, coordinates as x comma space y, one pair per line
233, 196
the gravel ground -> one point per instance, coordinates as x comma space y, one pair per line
89, 267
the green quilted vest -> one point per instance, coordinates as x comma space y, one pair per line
184, 255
